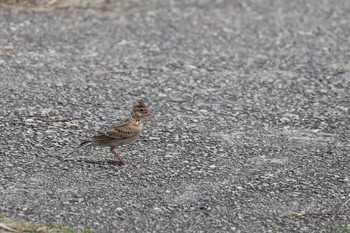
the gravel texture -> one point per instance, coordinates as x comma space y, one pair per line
251, 123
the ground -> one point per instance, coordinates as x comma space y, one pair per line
250, 126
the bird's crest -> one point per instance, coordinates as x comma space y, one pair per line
140, 103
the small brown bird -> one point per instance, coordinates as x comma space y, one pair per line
123, 132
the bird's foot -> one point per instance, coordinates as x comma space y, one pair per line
127, 165
122, 163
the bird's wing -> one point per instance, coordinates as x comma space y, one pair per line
121, 130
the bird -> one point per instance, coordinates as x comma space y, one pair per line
123, 132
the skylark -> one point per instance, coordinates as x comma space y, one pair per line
121, 133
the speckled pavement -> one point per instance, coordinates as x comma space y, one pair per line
250, 131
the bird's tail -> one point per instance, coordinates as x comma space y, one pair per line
58, 154
81, 145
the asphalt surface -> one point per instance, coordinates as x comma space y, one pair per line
250, 131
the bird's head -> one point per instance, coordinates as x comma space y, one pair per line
140, 110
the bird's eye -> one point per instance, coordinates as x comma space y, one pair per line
141, 109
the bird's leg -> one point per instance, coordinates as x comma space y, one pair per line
120, 160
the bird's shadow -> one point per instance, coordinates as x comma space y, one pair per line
89, 161
96, 162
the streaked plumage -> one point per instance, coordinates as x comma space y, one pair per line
123, 132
